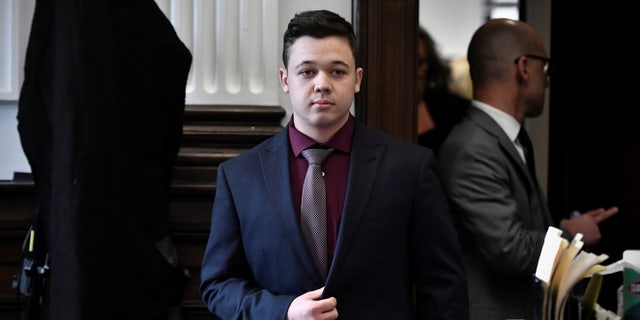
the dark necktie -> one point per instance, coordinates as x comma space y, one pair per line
313, 212
525, 142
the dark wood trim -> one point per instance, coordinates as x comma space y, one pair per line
387, 31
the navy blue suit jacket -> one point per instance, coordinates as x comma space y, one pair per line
395, 232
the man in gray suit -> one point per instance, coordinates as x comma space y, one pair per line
496, 200
391, 247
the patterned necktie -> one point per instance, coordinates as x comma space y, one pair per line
313, 217
525, 142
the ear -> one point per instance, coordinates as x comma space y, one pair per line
284, 79
359, 74
522, 68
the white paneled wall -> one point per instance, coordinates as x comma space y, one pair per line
9, 54
234, 48
15, 22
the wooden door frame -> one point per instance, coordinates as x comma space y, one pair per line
387, 33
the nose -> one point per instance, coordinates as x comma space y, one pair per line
322, 82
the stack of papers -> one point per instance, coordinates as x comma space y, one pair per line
561, 266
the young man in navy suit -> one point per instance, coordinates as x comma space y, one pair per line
392, 249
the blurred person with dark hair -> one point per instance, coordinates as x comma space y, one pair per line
440, 108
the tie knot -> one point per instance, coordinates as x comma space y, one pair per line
316, 155
524, 139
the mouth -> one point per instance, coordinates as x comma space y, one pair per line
322, 103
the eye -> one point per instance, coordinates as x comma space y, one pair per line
339, 72
306, 72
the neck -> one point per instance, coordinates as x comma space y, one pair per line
319, 132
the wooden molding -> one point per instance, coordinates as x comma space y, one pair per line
387, 33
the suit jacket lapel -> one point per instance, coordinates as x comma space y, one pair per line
366, 155
488, 124
274, 161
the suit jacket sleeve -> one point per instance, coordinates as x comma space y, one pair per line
228, 286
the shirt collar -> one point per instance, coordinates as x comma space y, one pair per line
340, 141
507, 123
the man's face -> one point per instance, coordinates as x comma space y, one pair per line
321, 79
539, 81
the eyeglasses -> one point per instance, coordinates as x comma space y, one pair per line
547, 62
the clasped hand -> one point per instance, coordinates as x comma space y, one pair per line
310, 306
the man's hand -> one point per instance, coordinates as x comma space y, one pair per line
587, 224
309, 307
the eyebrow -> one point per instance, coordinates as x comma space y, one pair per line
333, 63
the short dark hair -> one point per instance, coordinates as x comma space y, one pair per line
316, 24
439, 74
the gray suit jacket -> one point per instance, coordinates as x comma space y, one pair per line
500, 213
395, 231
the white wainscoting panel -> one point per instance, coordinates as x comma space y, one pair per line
234, 44
9, 49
